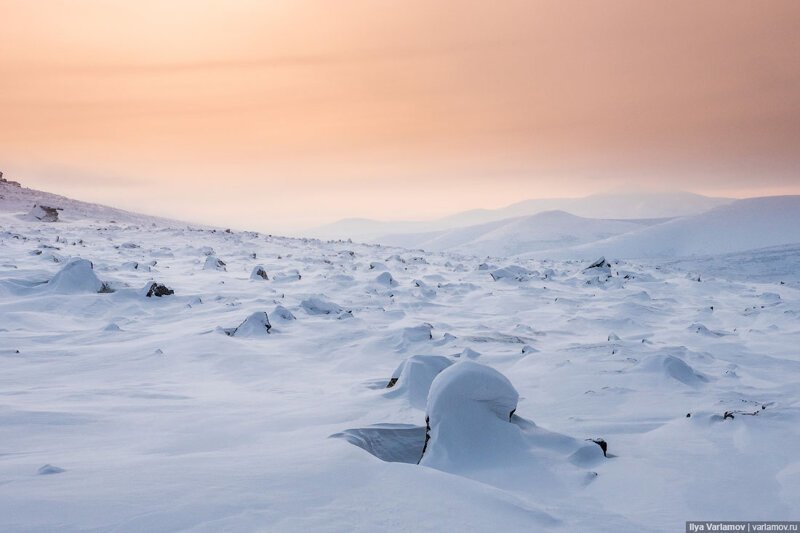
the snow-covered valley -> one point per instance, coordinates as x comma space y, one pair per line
193, 411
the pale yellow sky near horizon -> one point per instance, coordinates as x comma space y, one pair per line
286, 114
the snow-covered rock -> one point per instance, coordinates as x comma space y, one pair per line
44, 213
214, 263
386, 280
255, 325
259, 273
423, 332
318, 305
413, 378
77, 275
282, 313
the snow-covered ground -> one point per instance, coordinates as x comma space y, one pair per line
124, 412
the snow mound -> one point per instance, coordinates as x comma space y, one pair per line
283, 313
77, 276
317, 305
386, 280
413, 378
289, 275
256, 325
675, 368
423, 332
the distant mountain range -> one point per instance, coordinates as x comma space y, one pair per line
512, 236
602, 206
748, 224
621, 226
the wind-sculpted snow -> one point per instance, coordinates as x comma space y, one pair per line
124, 412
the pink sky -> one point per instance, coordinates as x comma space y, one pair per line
279, 115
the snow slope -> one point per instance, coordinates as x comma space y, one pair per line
20, 200
514, 236
742, 225
122, 412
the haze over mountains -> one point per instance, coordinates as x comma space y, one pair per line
609, 206
622, 226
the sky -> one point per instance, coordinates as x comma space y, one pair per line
281, 115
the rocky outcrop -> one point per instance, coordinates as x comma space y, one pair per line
44, 213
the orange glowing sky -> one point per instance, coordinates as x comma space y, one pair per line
284, 114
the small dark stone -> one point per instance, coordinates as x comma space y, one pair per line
392, 383
727, 415
688, 415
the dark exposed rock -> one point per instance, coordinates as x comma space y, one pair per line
44, 213
603, 445
158, 290
600, 263
259, 273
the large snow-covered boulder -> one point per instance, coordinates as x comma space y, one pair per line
469, 409
413, 378
473, 430
77, 276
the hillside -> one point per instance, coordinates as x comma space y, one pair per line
742, 225
543, 231
19, 200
